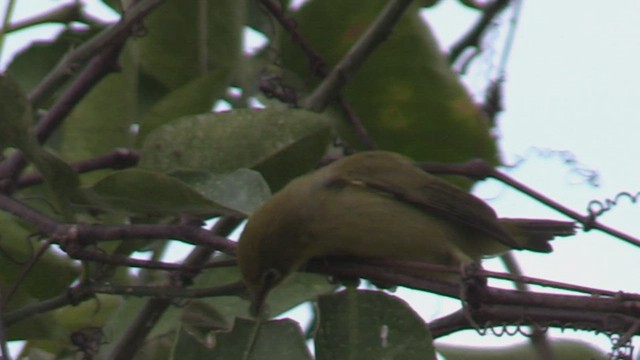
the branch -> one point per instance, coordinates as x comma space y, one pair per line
116, 159
65, 14
115, 36
104, 49
619, 313
355, 57
97, 69
480, 170
318, 68
74, 295
77, 236
133, 338
170, 292
538, 337
473, 36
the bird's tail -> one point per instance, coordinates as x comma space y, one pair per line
534, 234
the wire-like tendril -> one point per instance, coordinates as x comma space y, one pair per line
598, 207
590, 176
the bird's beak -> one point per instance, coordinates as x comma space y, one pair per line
258, 302
269, 279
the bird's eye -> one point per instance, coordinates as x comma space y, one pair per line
271, 278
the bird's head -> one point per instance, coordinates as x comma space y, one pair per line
270, 248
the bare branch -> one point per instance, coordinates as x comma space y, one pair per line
318, 68
64, 13
489, 307
480, 169
474, 35
116, 159
133, 338
115, 36
342, 73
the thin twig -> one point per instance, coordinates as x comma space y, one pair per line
342, 73
103, 49
170, 292
23, 274
4, 350
64, 14
317, 64
80, 235
480, 169
8, 12
74, 295
114, 36
493, 306
538, 337
319, 68
474, 35
116, 159
132, 339
98, 68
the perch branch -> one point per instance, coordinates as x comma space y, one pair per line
618, 313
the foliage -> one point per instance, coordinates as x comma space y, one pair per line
148, 84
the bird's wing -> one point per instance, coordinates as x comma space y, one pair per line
436, 197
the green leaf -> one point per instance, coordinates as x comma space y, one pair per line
17, 248
93, 312
201, 319
15, 114
280, 144
406, 95
242, 190
370, 325
297, 289
195, 97
32, 64
146, 192
562, 349
102, 120
250, 340
15, 130
188, 346
121, 319
186, 39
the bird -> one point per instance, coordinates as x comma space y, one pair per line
377, 204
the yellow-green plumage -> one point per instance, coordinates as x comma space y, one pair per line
378, 205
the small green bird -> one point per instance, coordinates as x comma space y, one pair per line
377, 204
